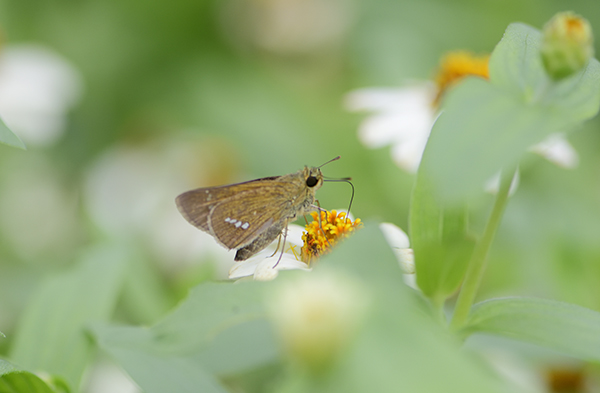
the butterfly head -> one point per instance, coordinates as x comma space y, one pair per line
313, 178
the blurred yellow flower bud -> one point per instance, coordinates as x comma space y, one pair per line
316, 318
567, 45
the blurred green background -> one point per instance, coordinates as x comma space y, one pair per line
181, 94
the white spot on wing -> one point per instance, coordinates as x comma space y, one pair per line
245, 225
228, 219
238, 224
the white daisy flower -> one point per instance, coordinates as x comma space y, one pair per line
37, 89
403, 117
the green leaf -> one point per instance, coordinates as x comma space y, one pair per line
439, 240
51, 335
516, 63
15, 380
487, 126
482, 130
152, 370
400, 343
516, 66
219, 329
564, 327
9, 138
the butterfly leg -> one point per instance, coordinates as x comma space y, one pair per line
278, 243
317, 207
285, 231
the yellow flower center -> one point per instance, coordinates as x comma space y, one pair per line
456, 65
321, 236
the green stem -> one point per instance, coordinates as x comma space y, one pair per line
477, 263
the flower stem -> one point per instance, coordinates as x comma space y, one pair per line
477, 263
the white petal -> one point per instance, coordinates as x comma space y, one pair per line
398, 241
261, 262
395, 236
382, 129
265, 271
294, 235
493, 184
289, 262
390, 99
406, 259
557, 150
407, 155
245, 268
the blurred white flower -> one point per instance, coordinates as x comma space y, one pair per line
262, 265
287, 27
130, 193
316, 317
37, 89
403, 117
557, 150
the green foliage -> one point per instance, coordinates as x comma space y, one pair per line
15, 380
219, 329
9, 138
57, 315
564, 327
440, 242
253, 109
401, 341
486, 126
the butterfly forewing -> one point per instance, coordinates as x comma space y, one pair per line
235, 218
195, 205
237, 221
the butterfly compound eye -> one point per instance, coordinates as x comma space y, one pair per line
311, 181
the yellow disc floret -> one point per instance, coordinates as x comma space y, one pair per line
322, 234
456, 65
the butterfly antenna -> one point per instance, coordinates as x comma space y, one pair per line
333, 159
